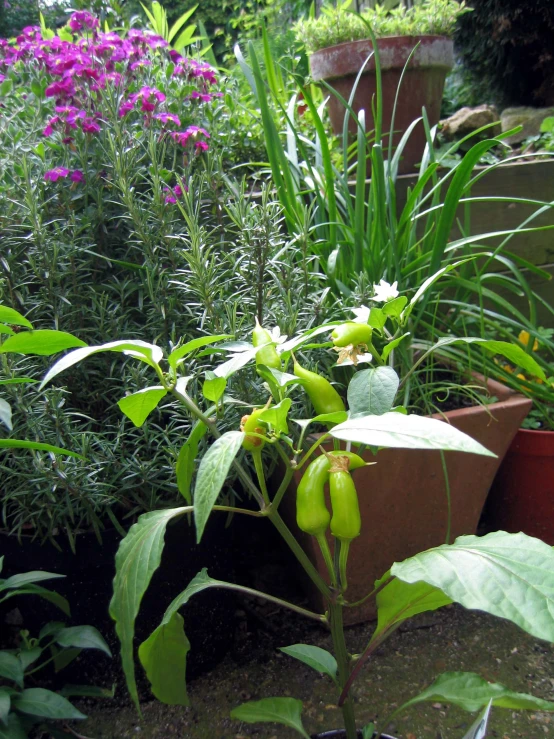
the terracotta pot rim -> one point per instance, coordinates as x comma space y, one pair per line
345, 60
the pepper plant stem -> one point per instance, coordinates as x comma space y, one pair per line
328, 558
341, 655
298, 552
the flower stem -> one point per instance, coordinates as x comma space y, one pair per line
341, 655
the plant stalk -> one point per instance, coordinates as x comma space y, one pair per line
341, 655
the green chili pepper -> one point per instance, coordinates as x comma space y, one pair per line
251, 423
267, 354
346, 522
312, 515
351, 333
323, 395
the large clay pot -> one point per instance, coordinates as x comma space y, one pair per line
403, 500
522, 495
422, 85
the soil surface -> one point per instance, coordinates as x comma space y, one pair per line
450, 639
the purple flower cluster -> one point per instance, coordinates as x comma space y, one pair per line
78, 71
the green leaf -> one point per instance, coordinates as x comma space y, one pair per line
177, 354
43, 342
372, 391
11, 668
478, 729
512, 352
137, 558
377, 318
138, 406
15, 730
141, 350
82, 637
5, 702
212, 473
407, 432
25, 578
237, 362
214, 387
87, 691
368, 731
49, 595
335, 417
394, 308
6, 87
287, 711
37, 446
13, 318
507, 575
45, 703
6, 414
318, 659
164, 658
399, 601
185, 461
387, 349
283, 378
277, 416
28, 656
471, 692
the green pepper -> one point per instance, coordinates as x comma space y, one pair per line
250, 423
351, 333
323, 395
267, 354
312, 515
346, 522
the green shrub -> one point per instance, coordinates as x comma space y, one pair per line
508, 46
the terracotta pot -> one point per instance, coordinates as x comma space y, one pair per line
403, 501
522, 495
422, 86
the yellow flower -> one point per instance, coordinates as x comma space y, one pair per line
521, 377
524, 337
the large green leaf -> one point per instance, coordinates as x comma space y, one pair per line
11, 668
44, 342
25, 578
178, 354
212, 473
51, 596
318, 659
45, 703
407, 432
14, 729
287, 711
82, 637
13, 318
471, 692
5, 702
399, 600
138, 406
507, 575
372, 391
141, 350
164, 658
214, 387
137, 558
512, 352
277, 416
184, 468
36, 446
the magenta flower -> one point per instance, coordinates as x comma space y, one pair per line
89, 125
83, 19
77, 176
52, 175
168, 117
174, 194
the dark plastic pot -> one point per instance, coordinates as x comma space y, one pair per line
341, 734
88, 588
422, 85
522, 495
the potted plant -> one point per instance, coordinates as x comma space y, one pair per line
520, 567
415, 55
522, 495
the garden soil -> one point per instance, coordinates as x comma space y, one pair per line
450, 639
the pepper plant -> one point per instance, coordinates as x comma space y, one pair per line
508, 575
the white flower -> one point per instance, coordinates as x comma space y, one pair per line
361, 313
276, 335
383, 292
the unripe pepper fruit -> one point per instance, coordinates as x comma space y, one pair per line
323, 395
267, 354
346, 522
312, 515
351, 333
251, 423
